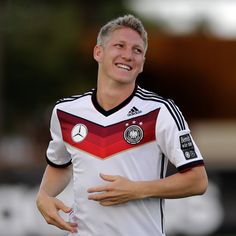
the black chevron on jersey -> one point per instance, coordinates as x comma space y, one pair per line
173, 109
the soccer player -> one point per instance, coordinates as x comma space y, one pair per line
116, 141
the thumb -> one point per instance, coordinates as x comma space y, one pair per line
61, 206
109, 178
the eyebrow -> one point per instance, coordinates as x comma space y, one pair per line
135, 45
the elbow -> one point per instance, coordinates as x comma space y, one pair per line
202, 187
202, 184
199, 181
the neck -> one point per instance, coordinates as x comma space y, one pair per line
109, 97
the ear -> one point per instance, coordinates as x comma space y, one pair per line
97, 53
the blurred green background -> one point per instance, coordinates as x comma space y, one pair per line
46, 53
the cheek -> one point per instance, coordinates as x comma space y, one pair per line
140, 66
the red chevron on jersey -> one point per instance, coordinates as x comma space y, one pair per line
105, 141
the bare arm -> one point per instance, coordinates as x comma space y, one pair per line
120, 189
54, 182
189, 183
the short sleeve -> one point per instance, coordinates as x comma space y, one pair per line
56, 154
175, 140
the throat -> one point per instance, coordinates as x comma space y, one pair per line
112, 101
109, 101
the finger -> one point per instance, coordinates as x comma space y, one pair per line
62, 224
61, 206
73, 224
113, 201
108, 203
109, 178
70, 228
107, 196
98, 189
98, 197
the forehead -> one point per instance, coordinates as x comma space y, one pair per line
126, 35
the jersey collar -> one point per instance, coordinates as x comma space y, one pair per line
115, 109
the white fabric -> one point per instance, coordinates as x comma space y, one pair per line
138, 161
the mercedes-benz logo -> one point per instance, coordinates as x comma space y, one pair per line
79, 132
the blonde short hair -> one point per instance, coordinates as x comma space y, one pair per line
126, 21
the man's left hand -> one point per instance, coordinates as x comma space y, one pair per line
118, 190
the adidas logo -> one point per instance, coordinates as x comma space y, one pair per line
134, 111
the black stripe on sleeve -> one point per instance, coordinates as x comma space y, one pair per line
73, 98
172, 108
190, 165
178, 113
56, 165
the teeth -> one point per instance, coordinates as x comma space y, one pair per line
122, 66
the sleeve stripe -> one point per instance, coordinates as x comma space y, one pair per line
189, 166
174, 111
178, 113
56, 165
73, 98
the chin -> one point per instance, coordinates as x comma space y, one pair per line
125, 80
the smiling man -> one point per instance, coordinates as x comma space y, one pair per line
117, 140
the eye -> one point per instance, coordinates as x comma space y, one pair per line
138, 51
119, 45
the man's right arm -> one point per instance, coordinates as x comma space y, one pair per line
53, 183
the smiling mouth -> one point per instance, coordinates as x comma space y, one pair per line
123, 66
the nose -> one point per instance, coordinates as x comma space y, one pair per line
127, 54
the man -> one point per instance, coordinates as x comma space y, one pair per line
117, 140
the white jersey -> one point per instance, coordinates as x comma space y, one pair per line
136, 140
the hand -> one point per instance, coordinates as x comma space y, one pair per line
49, 207
119, 190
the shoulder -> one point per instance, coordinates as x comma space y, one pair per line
74, 97
147, 95
72, 103
168, 106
